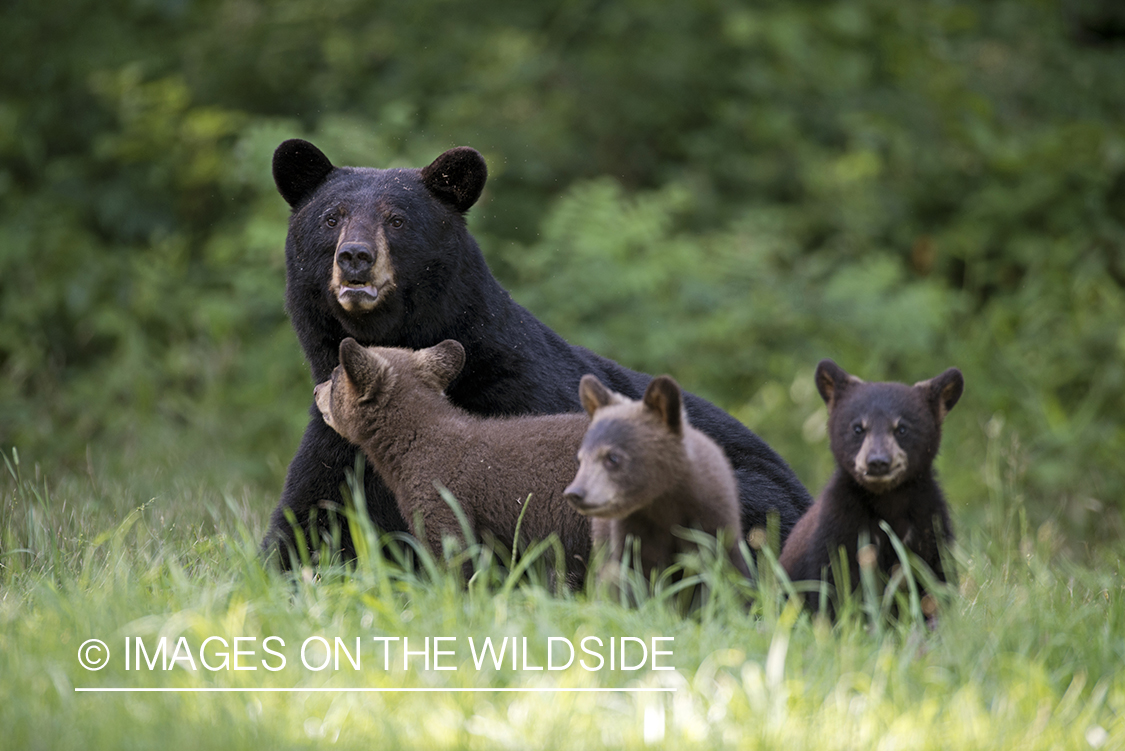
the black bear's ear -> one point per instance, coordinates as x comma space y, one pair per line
367, 371
442, 362
663, 397
594, 395
831, 381
942, 392
456, 177
298, 169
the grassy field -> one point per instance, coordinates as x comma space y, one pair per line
1026, 654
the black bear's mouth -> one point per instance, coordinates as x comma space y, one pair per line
357, 296
359, 289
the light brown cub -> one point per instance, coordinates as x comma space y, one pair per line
645, 471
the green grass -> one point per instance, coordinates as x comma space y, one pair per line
1027, 654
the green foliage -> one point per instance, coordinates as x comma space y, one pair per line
720, 191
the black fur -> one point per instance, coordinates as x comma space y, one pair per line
298, 169
443, 289
887, 415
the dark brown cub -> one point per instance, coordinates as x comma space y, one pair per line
884, 437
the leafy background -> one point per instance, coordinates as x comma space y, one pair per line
720, 190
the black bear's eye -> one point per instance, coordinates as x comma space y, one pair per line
612, 460
901, 430
331, 221
396, 221
857, 429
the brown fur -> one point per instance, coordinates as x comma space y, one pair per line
390, 402
644, 471
884, 437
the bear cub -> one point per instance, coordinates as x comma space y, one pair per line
391, 403
644, 470
884, 437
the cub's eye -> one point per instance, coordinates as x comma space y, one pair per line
396, 221
857, 429
331, 221
901, 430
612, 460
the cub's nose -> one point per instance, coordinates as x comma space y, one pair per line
355, 260
878, 467
575, 495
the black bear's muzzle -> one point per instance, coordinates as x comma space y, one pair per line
362, 273
355, 260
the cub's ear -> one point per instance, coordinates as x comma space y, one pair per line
299, 168
594, 395
832, 381
456, 177
441, 363
942, 392
367, 371
663, 396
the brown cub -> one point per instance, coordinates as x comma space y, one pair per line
884, 437
391, 403
644, 470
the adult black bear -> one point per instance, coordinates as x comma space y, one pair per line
384, 256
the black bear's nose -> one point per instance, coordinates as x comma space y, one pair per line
355, 259
878, 466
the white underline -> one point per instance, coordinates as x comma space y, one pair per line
373, 690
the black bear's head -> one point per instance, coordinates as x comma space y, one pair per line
885, 433
369, 248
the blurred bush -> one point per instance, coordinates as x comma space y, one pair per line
724, 191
